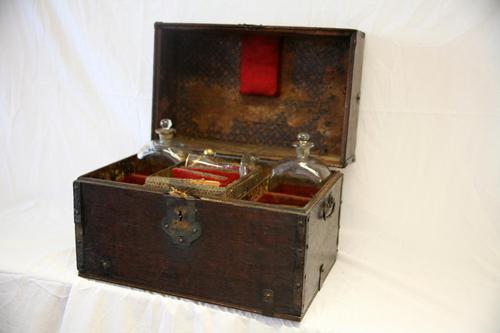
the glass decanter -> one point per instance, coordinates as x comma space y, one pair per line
209, 160
165, 145
302, 170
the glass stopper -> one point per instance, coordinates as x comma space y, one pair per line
166, 123
208, 152
303, 137
165, 132
303, 146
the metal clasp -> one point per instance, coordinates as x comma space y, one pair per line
180, 222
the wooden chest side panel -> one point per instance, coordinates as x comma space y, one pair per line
242, 252
322, 243
353, 95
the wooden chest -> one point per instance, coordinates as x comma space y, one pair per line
258, 257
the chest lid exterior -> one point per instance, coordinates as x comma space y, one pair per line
196, 83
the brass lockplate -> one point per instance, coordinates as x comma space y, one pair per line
180, 222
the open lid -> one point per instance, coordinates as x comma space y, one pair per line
197, 84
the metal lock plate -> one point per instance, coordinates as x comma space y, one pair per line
180, 223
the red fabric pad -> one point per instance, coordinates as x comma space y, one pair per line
135, 178
259, 65
303, 191
283, 199
188, 173
230, 175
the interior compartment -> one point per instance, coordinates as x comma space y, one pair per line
220, 177
197, 81
284, 192
283, 199
155, 173
131, 169
170, 179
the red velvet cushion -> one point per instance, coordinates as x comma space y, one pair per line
232, 176
259, 65
283, 199
303, 191
205, 174
135, 178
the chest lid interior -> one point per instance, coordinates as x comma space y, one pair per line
197, 85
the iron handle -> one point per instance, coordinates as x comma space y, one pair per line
327, 207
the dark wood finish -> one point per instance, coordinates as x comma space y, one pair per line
260, 257
196, 84
321, 245
245, 249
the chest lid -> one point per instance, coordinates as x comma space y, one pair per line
198, 84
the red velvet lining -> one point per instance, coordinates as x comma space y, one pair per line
286, 194
224, 178
303, 191
259, 65
135, 178
232, 176
283, 199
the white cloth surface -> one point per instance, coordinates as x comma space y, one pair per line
420, 224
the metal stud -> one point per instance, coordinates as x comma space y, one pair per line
105, 264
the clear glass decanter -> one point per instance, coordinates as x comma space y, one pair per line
302, 170
165, 145
209, 160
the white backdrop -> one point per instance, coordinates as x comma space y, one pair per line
420, 236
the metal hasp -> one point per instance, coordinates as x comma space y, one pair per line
180, 223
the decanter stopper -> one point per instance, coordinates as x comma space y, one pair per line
247, 164
165, 144
303, 146
165, 132
208, 152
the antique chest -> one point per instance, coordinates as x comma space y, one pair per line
264, 257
